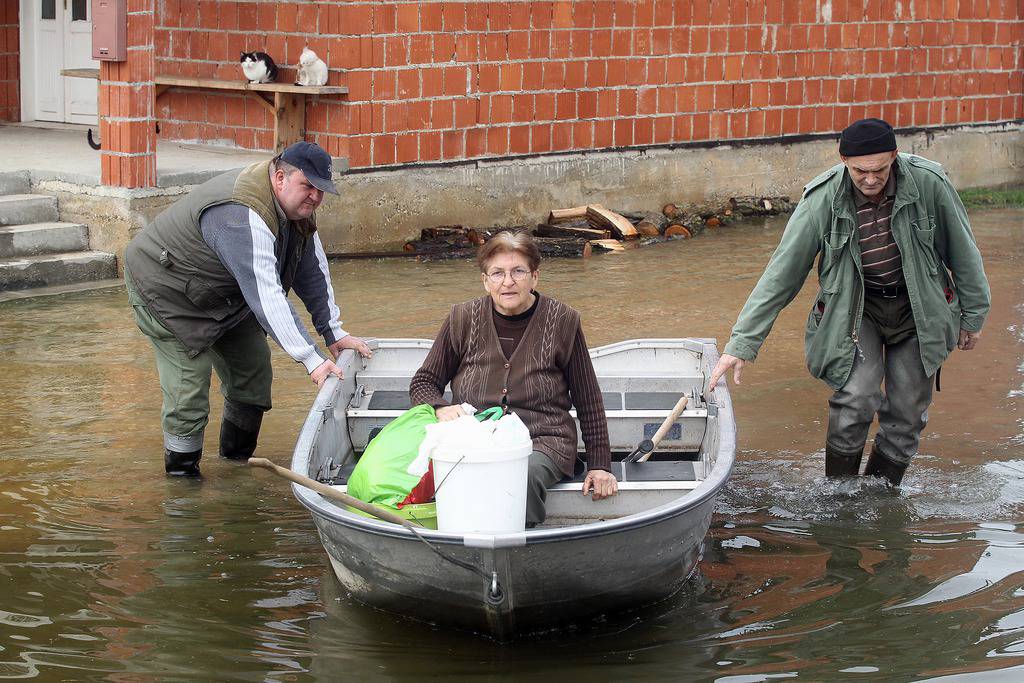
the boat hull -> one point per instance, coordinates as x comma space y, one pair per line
526, 581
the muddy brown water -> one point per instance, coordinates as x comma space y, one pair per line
109, 571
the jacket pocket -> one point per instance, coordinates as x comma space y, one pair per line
924, 233
208, 299
835, 243
818, 309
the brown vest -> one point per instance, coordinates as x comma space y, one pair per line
531, 383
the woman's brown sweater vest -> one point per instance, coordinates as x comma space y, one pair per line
532, 383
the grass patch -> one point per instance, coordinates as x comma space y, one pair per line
982, 197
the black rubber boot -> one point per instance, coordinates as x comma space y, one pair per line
182, 464
841, 463
239, 430
881, 466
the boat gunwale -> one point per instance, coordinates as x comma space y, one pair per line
708, 488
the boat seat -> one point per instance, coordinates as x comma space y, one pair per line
652, 470
634, 400
670, 470
394, 400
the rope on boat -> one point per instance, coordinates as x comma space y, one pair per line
495, 595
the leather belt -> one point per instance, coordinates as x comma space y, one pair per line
891, 292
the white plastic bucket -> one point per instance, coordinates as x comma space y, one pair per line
481, 491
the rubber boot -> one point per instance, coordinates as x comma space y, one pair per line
881, 466
239, 430
182, 464
839, 463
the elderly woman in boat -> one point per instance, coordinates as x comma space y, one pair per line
526, 352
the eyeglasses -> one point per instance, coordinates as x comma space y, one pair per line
498, 276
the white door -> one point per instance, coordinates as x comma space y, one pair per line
63, 32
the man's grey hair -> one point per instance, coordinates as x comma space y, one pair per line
279, 164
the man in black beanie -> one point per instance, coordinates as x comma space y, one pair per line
901, 285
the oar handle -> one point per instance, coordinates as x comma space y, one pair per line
665, 426
329, 492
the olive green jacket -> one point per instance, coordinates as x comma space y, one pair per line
945, 279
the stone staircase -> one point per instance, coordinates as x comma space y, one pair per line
36, 249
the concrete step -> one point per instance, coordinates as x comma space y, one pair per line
15, 182
42, 238
56, 269
19, 209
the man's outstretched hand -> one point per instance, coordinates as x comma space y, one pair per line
725, 363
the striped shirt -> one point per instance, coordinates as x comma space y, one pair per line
879, 253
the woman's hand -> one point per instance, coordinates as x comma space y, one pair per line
603, 484
448, 413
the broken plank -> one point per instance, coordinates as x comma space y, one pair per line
601, 217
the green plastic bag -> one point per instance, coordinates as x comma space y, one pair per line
381, 477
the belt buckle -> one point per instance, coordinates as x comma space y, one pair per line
890, 292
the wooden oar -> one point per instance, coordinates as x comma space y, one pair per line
330, 492
645, 448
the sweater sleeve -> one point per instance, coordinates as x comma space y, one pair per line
586, 396
245, 245
438, 369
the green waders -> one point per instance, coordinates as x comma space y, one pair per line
241, 358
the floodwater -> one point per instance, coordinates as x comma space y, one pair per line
111, 572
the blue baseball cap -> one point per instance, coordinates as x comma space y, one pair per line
314, 163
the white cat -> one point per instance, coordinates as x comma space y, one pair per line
312, 69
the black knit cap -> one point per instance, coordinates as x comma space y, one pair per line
867, 136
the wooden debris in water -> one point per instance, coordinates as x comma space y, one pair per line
602, 218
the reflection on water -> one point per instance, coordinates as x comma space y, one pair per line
109, 571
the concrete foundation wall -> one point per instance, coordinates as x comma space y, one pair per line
113, 214
378, 210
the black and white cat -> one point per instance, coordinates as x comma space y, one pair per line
258, 67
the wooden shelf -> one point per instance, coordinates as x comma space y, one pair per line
81, 73
218, 84
286, 103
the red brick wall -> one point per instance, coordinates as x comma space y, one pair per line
10, 98
438, 81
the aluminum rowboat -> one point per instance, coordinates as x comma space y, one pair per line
589, 557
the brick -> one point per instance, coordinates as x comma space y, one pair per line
442, 114
583, 135
383, 150
408, 18
466, 113
497, 140
519, 139
455, 81
540, 138
406, 148
453, 144
453, 16
476, 142
544, 106
431, 17
522, 108
623, 132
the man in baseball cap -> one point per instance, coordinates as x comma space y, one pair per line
208, 280
314, 163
